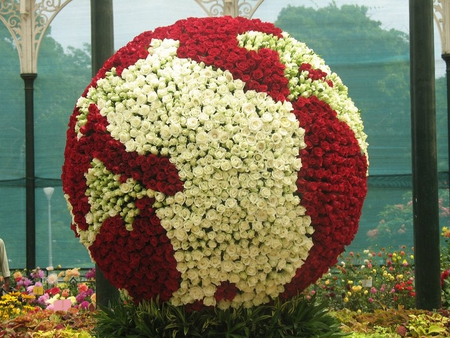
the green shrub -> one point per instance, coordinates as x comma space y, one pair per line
296, 317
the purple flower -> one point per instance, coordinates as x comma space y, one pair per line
80, 297
27, 282
84, 305
90, 274
42, 299
37, 274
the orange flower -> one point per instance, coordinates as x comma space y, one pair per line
82, 287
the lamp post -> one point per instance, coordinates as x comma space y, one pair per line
27, 21
244, 8
49, 192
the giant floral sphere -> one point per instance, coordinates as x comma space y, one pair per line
217, 161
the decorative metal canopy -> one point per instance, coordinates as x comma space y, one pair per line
442, 19
244, 8
27, 21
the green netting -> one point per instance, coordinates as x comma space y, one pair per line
372, 60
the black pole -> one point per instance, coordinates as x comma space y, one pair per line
446, 58
102, 44
424, 156
28, 79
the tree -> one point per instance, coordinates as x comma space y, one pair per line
374, 64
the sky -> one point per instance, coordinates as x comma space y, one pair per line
71, 27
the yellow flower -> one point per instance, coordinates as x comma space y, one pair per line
28, 296
17, 275
445, 232
346, 300
356, 288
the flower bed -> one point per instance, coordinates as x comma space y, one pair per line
386, 309
368, 281
49, 303
42, 289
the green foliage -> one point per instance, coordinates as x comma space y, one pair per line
292, 318
368, 281
395, 323
445, 268
428, 325
373, 63
395, 227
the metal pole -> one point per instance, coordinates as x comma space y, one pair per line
29, 170
424, 156
50, 246
446, 58
102, 42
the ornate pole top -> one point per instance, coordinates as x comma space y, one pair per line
442, 19
244, 8
27, 21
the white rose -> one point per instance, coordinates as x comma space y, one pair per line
192, 123
196, 292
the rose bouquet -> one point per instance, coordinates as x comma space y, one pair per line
216, 162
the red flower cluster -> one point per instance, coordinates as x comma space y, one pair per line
314, 74
226, 291
405, 288
444, 276
331, 183
132, 260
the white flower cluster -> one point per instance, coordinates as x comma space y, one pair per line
238, 218
108, 197
294, 53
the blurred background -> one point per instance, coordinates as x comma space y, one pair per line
365, 42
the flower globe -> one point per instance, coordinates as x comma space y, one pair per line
216, 162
